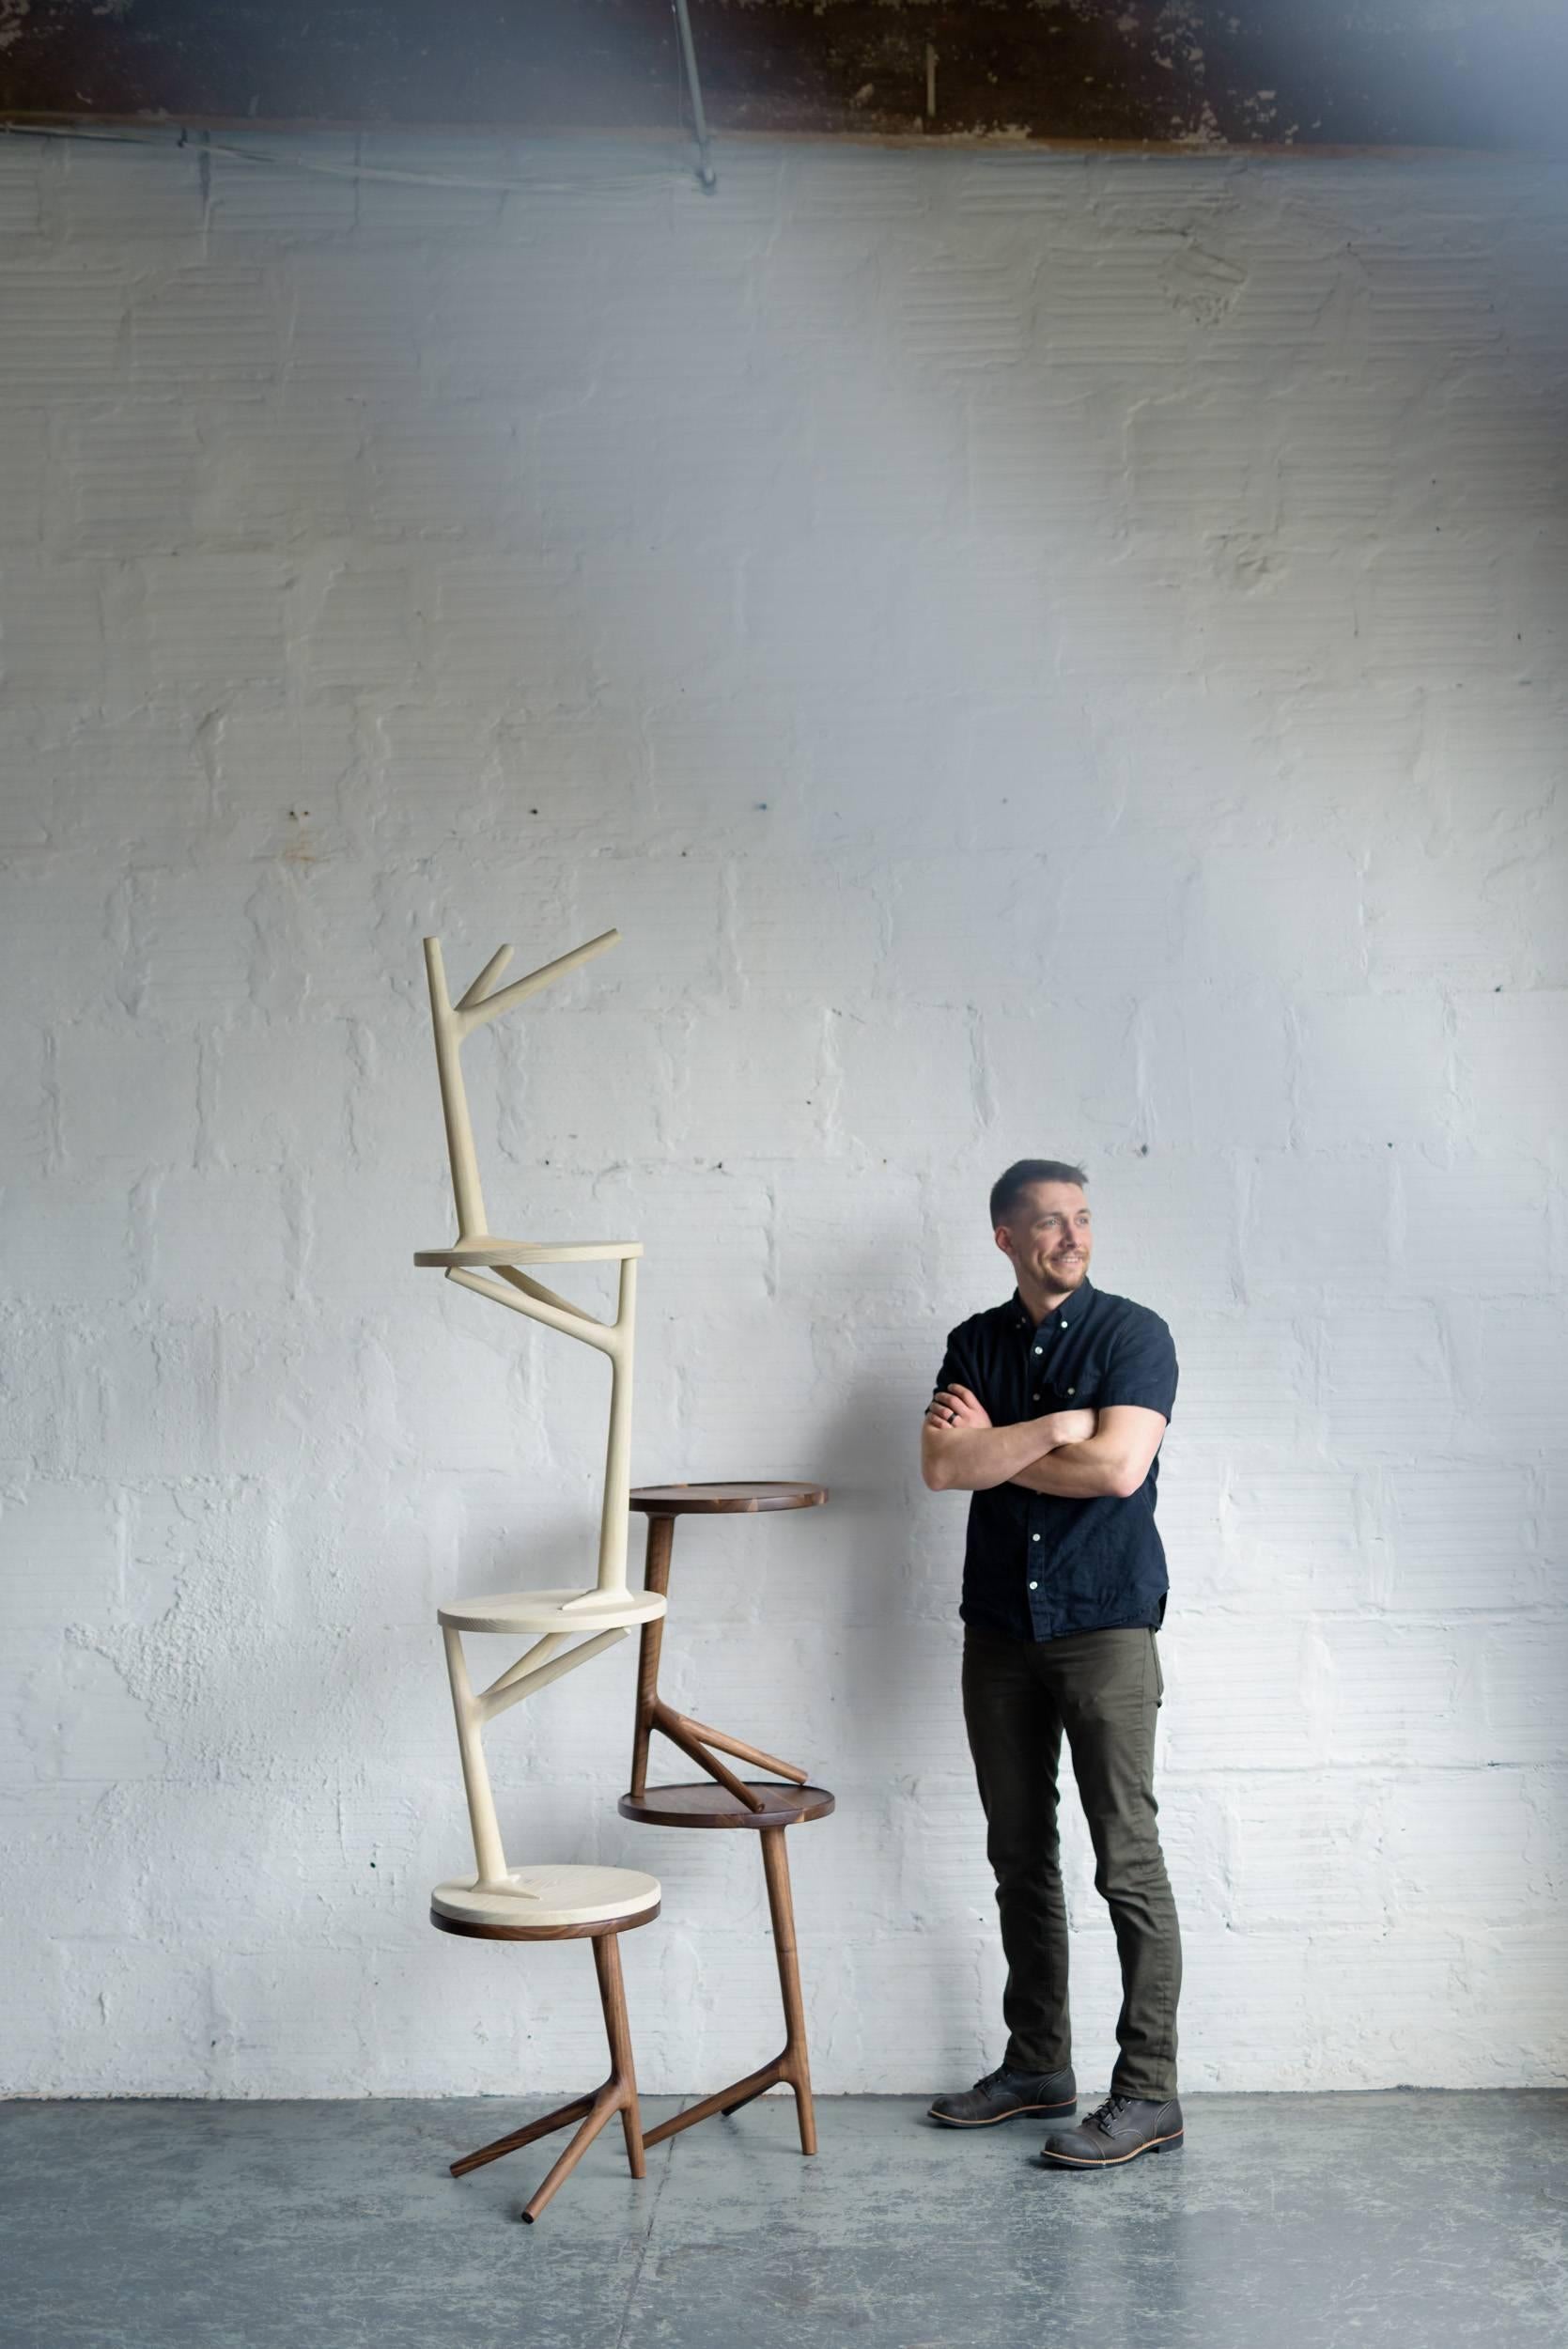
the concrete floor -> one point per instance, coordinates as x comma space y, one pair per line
1290, 2222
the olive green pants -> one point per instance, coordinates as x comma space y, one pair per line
1103, 1690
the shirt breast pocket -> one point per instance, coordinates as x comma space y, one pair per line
1081, 1393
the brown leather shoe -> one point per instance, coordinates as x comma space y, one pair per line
1005, 2095
1117, 2131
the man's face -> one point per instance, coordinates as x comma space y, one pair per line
1048, 1236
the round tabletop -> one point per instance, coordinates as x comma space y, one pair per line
552, 1610
740, 1500
708, 1804
480, 1929
489, 1250
549, 1902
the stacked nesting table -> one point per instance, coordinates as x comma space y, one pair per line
580, 1890
767, 1807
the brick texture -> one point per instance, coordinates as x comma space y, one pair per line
1035, 654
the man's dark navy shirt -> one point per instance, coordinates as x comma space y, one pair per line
1037, 1567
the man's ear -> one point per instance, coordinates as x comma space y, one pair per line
1004, 1239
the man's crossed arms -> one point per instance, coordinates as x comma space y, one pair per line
1076, 1455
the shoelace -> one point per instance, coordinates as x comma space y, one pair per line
1106, 2115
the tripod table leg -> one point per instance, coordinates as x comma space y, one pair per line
618, 2094
795, 2063
623, 2071
656, 1576
598, 2113
578, 2110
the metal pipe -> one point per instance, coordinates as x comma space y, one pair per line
705, 172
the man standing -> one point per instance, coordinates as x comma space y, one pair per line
1050, 1409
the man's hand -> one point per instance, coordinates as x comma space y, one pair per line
955, 1406
1114, 1458
961, 1451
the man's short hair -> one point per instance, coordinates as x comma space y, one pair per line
1009, 1188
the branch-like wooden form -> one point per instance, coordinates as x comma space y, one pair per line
540, 1665
618, 2094
553, 1310
791, 2067
493, 1268
454, 1024
695, 1739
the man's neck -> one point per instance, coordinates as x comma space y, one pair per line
1039, 1303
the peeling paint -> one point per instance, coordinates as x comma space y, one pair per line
1182, 72
13, 17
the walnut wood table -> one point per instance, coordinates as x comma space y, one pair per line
619, 2091
762, 1805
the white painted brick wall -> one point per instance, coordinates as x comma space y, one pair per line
1035, 654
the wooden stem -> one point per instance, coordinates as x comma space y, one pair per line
490, 972
476, 1009
576, 2110
726, 1744
617, 1446
723, 2100
454, 1098
792, 2068
694, 1738
623, 2071
618, 2094
603, 2105
670, 1724
775, 1862
501, 1700
656, 1576
490, 1857
540, 1653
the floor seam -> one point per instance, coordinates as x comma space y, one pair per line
635, 2285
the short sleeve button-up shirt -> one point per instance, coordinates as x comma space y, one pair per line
1036, 1567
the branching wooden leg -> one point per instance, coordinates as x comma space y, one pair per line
603, 2105
797, 2060
576, 2110
670, 1724
792, 2068
623, 2070
743, 1752
723, 2100
618, 2094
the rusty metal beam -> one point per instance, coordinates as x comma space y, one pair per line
1476, 73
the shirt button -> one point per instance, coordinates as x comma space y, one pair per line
1070, 1390
1034, 1537
1034, 1586
1061, 1325
1039, 1349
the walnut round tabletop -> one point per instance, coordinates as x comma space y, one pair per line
718, 1501
478, 1929
708, 1805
